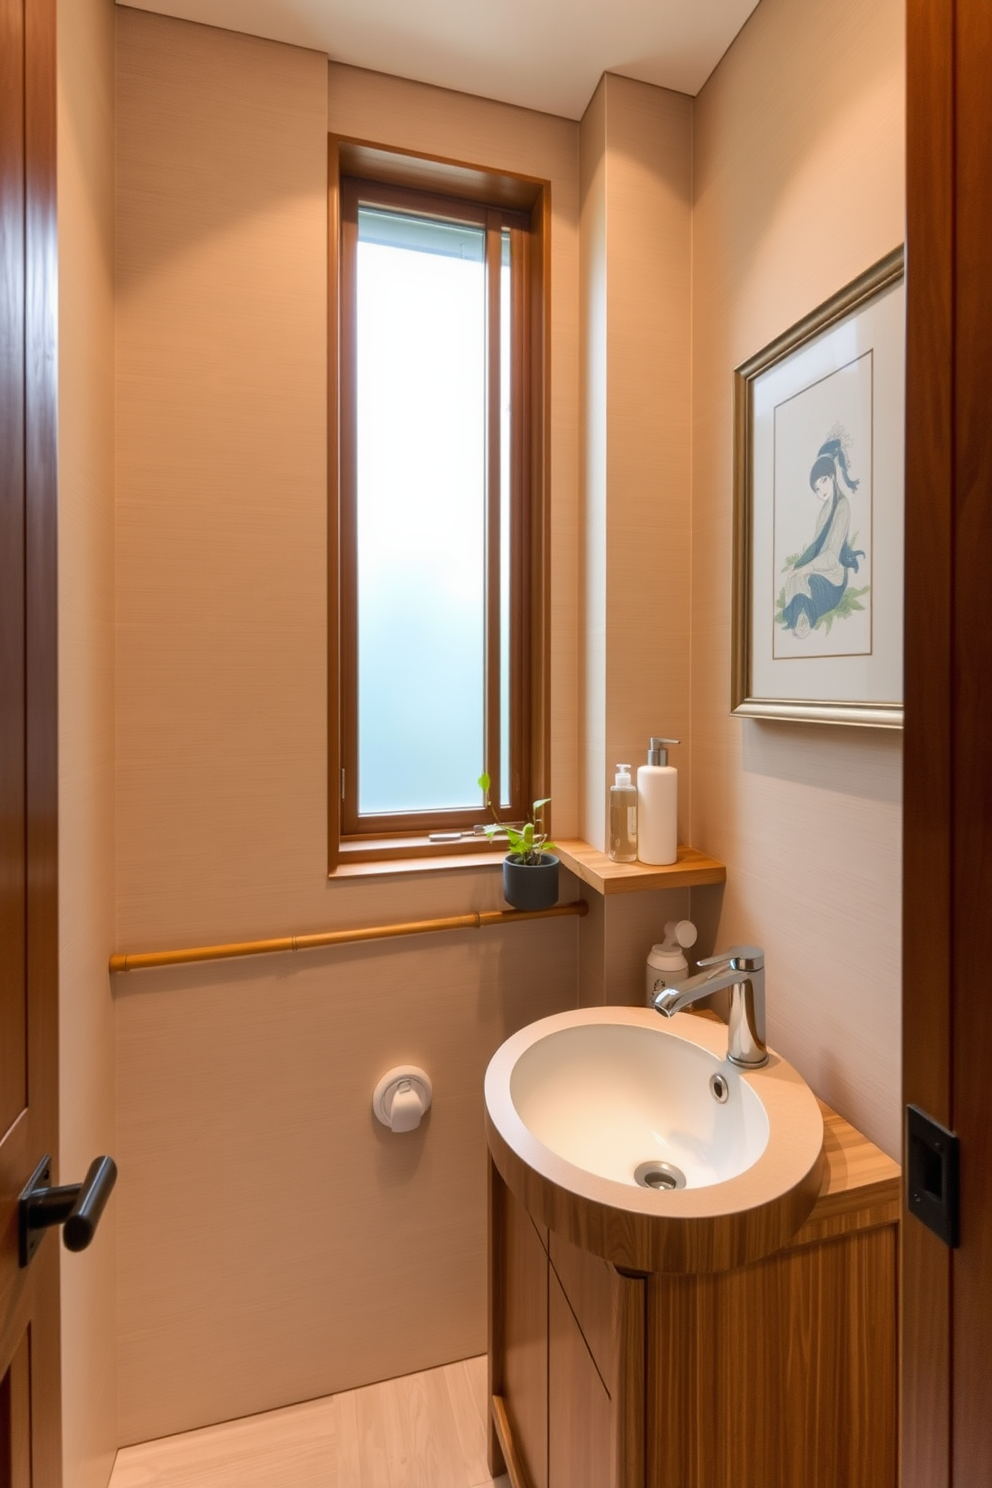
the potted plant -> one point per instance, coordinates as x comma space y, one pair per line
530, 868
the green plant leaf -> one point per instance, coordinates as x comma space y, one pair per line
526, 842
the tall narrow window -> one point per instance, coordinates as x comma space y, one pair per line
434, 612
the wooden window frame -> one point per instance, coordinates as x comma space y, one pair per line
457, 192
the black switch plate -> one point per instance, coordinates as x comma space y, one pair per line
932, 1154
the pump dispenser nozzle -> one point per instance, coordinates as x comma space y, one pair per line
657, 750
678, 934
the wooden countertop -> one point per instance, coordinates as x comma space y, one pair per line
861, 1187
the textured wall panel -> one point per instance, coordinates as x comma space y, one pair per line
799, 185
275, 1242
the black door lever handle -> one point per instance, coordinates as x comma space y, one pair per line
76, 1206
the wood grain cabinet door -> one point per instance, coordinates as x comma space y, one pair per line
779, 1375
580, 1410
522, 1300
567, 1358
596, 1371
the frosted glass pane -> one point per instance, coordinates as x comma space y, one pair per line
421, 452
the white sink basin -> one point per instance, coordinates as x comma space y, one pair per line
608, 1115
611, 1097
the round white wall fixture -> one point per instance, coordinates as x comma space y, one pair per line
401, 1097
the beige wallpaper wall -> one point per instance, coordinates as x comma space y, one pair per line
798, 187
593, 592
649, 236
86, 715
635, 165
635, 158
275, 1242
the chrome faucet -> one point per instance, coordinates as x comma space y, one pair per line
742, 969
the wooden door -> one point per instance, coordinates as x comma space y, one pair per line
30, 1444
947, 1013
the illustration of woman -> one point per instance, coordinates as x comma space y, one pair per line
818, 576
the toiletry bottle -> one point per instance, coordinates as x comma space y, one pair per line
623, 818
667, 960
657, 806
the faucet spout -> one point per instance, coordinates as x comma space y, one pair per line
742, 969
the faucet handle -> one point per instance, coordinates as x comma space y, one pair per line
737, 958
717, 962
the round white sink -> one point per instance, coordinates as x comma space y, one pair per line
612, 1097
640, 1140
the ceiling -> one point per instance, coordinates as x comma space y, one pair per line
540, 54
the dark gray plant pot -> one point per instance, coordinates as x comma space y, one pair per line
530, 885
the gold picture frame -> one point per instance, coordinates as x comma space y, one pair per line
817, 632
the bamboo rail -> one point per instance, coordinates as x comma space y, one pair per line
142, 960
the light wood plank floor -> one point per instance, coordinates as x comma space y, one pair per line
422, 1431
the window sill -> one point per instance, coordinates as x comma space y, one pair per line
394, 856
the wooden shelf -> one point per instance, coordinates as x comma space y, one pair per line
600, 872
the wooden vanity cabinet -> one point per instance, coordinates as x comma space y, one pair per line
567, 1334
596, 1336
781, 1374
518, 1338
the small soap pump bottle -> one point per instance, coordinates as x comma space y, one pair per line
623, 818
666, 961
657, 806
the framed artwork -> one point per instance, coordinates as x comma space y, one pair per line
818, 512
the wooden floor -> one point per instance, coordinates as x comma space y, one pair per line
422, 1431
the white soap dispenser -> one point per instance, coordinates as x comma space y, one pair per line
623, 818
657, 806
667, 960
